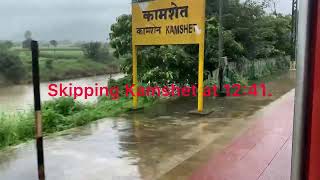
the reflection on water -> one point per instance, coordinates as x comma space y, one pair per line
143, 145
19, 98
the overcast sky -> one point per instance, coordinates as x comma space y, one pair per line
67, 19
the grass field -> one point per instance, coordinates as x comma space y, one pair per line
66, 63
74, 54
58, 53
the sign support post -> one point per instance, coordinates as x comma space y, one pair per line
135, 76
200, 78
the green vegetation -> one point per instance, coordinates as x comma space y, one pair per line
68, 64
248, 71
62, 54
61, 114
11, 66
55, 64
95, 51
250, 35
5, 45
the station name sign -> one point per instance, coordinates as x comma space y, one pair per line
161, 22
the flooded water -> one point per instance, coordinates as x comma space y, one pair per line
147, 145
19, 98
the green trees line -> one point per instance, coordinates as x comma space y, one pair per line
92, 58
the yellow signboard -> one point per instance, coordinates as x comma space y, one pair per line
161, 22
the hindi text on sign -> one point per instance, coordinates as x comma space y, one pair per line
173, 12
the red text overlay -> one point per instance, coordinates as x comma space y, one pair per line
69, 90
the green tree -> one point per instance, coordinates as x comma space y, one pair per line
261, 34
95, 51
28, 38
6, 44
169, 64
91, 50
120, 36
11, 67
28, 35
54, 43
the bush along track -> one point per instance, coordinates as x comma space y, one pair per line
62, 114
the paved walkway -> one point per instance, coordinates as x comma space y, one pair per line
261, 153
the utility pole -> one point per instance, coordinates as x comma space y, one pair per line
37, 108
294, 23
220, 29
220, 51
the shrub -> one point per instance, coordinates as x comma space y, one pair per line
236, 78
95, 51
283, 63
11, 66
25, 126
121, 83
63, 106
7, 129
48, 64
52, 121
6, 45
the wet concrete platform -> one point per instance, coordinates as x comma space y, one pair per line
263, 152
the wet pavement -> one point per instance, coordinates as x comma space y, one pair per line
263, 152
152, 144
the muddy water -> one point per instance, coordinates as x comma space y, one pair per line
152, 144
19, 98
